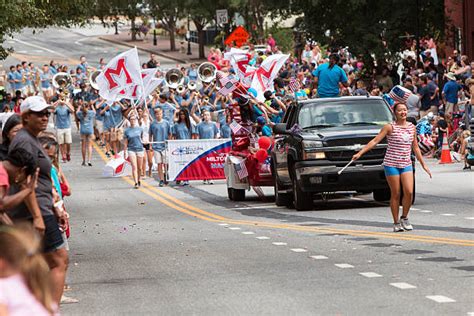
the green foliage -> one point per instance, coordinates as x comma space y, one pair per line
283, 38
19, 14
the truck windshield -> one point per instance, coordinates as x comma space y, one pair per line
344, 113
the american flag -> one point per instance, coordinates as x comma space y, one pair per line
241, 170
228, 84
399, 94
294, 85
235, 127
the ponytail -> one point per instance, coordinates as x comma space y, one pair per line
19, 246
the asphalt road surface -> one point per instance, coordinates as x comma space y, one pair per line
182, 251
188, 250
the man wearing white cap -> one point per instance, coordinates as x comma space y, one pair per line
38, 206
450, 95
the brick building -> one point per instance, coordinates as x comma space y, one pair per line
460, 27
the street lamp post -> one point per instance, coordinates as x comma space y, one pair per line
154, 32
189, 39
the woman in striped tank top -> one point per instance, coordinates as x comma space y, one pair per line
401, 137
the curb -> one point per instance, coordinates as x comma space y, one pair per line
157, 52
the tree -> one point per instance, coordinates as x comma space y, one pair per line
167, 12
370, 27
19, 14
113, 8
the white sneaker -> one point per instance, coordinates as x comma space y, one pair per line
398, 228
406, 224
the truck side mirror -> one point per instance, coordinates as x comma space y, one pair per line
280, 128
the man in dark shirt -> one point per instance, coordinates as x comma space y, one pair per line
425, 97
434, 94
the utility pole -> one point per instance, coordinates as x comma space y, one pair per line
189, 38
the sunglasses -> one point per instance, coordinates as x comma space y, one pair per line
42, 114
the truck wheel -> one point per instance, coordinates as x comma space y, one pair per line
382, 195
229, 194
302, 201
281, 199
238, 194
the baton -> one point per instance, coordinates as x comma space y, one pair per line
340, 171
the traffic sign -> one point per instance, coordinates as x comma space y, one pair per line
222, 16
239, 36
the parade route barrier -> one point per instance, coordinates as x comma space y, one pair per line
197, 159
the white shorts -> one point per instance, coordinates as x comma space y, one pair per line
64, 136
99, 125
139, 154
160, 156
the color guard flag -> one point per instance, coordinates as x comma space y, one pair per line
120, 76
266, 73
399, 94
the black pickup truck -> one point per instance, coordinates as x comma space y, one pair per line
317, 138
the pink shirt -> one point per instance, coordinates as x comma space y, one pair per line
15, 294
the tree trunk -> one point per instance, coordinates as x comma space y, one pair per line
133, 28
201, 35
172, 32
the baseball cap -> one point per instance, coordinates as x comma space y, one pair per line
261, 120
34, 104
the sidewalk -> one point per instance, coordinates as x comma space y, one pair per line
162, 48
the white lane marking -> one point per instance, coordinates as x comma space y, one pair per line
234, 228
370, 274
223, 224
40, 47
319, 257
403, 285
468, 217
344, 265
22, 51
11, 42
248, 233
448, 214
440, 299
78, 42
278, 243
414, 209
298, 250
262, 237
426, 211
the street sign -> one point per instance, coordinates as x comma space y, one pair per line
222, 16
238, 37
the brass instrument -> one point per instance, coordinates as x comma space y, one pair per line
192, 86
62, 81
92, 79
180, 89
207, 72
174, 78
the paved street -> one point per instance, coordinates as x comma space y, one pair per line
189, 250
182, 251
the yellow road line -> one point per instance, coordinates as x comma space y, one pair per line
183, 207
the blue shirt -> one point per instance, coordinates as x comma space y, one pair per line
134, 138
116, 111
17, 76
225, 130
86, 122
160, 132
207, 130
45, 80
181, 131
328, 80
63, 117
192, 74
450, 90
266, 130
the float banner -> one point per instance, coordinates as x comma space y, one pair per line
197, 159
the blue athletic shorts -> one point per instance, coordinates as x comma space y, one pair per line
394, 171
